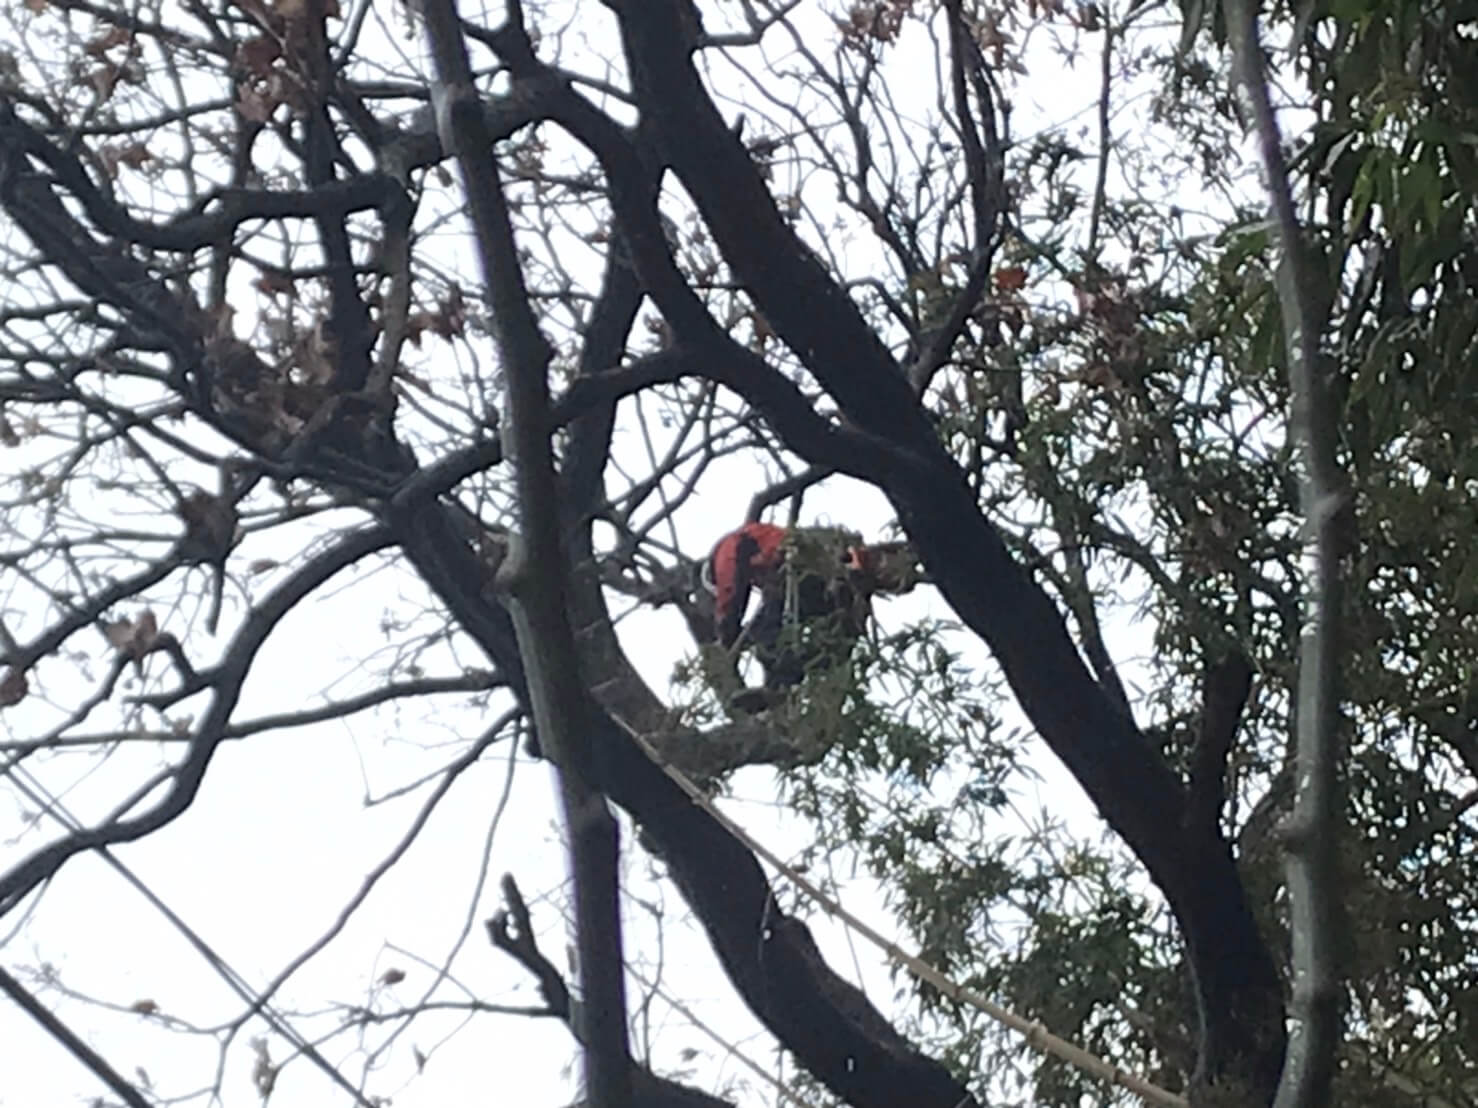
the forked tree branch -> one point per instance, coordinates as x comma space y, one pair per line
511, 931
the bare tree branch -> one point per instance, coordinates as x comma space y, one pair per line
512, 932
1224, 691
536, 571
1312, 829
73, 1042
984, 160
226, 680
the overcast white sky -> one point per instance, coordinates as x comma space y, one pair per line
281, 837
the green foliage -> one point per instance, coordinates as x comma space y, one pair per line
1150, 479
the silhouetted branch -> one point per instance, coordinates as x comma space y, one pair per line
1313, 829
984, 155
71, 1041
536, 570
511, 931
226, 679
1224, 692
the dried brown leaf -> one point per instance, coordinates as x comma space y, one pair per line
256, 55
134, 637
1010, 278
13, 688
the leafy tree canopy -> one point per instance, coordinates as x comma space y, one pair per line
255, 335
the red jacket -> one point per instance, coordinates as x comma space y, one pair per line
743, 559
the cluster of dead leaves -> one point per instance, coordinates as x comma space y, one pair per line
11, 435
878, 20
1009, 278
447, 320
135, 638
102, 66
278, 401
269, 74
210, 524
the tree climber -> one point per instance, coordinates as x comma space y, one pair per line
815, 586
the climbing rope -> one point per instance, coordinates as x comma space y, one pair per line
1034, 1032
